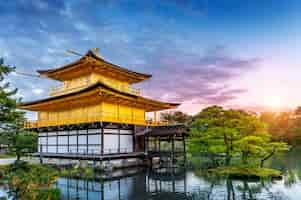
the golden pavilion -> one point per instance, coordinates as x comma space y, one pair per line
95, 111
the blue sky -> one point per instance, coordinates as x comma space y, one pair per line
233, 53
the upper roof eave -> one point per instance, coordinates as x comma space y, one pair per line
51, 72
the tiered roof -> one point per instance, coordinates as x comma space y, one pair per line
92, 62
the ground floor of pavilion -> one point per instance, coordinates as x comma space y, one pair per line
110, 141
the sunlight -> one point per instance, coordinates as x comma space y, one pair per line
273, 102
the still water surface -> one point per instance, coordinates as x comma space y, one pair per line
148, 185
188, 185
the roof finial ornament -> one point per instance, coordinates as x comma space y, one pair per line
96, 51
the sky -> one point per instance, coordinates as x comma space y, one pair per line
233, 53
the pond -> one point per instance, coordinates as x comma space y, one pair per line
186, 184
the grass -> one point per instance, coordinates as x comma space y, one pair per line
246, 172
2, 156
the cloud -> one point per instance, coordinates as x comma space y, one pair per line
139, 36
202, 78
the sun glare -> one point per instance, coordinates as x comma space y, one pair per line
273, 102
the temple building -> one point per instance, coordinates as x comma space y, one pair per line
96, 113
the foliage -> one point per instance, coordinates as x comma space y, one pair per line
278, 125
175, 117
30, 181
245, 172
284, 126
8, 104
232, 135
23, 144
7, 156
12, 134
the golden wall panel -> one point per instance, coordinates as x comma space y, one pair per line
105, 111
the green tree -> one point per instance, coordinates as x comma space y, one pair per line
232, 133
214, 132
294, 129
23, 143
31, 182
279, 125
8, 104
175, 117
12, 133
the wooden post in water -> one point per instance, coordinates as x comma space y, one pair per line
184, 148
172, 150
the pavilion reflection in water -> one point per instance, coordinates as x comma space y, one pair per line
135, 187
178, 186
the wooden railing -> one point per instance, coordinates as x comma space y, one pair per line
94, 117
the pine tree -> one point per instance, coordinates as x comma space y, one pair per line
8, 104
12, 134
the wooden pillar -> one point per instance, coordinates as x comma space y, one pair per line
41, 154
47, 142
68, 141
144, 143
134, 138
57, 142
102, 139
119, 127
159, 144
77, 140
87, 142
184, 147
172, 149
147, 142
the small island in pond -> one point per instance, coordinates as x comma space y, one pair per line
233, 143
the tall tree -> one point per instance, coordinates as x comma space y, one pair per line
214, 131
8, 104
12, 133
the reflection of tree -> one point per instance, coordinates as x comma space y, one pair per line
290, 178
230, 190
249, 191
238, 190
266, 185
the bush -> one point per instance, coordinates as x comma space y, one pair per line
31, 181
